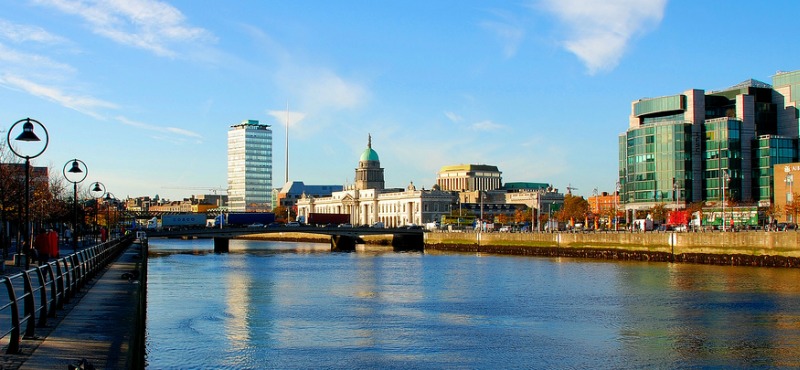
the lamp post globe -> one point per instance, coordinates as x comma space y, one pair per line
27, 145
76, 173
109, 198
97, 191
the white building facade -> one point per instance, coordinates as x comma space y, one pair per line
368, 202
250, 167
469, 177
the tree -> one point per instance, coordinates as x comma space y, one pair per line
771, 212
575, 208
280, 214
659, 213
502, 218
792, 208
521, 216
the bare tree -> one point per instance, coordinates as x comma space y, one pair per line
11, 195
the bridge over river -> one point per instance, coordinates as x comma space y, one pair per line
342, 239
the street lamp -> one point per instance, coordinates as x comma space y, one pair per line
75, 175
790, 196
596, 208
109, 198
27, 141
726, 177
98, 191
616, 201
480, 194
675, 192
459, 208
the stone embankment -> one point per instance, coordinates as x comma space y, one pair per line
752, 248
772, 249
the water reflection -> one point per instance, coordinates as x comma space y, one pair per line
298, 305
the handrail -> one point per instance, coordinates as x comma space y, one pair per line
64, 277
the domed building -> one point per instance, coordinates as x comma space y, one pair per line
368, 201
369, 174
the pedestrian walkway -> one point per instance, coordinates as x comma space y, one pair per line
98, 324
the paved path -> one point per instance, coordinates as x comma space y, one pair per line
97, 324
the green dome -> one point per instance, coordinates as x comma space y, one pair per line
369, 155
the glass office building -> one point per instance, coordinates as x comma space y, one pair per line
772, 150
702, 146
657, 161
250, 167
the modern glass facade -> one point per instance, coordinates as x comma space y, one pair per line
657, 163
771, 150
659, 105
714, 145
250, 167
722, 159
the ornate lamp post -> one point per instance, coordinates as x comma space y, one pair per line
75, 175
726, 177
98, 191
596, 207
27, 141
109, 198
459, 208
616, 200
790, 196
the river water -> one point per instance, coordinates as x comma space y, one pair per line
273, 305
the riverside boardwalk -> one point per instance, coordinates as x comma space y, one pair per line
99, 324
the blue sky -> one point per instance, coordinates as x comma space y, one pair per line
144, 91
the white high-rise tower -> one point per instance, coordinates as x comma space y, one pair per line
250, 167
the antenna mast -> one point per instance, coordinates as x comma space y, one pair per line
287, 141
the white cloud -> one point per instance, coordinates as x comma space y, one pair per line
598, 32
486, 125
20, 33
319, 89
145, 24
169, 130
281, 116
508, 30
83, 104
32, 64
453, 117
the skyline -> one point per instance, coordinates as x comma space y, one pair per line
144, 92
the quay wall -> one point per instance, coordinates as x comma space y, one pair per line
778, 249
752, 248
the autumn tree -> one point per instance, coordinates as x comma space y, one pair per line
575, 208
771, 212
11, 195
659, 213
502, 218
792, 208
522, 216
280, 214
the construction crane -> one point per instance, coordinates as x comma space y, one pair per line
570, 189
213, 189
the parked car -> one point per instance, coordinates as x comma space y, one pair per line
346, 225
254, 225
293, 224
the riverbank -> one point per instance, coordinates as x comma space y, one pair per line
769, 249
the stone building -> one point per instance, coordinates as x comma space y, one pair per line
368, 201
469, 178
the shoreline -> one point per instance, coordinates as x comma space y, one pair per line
757, 249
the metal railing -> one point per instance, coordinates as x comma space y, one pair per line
34, 295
